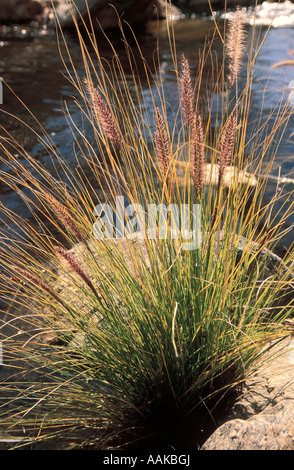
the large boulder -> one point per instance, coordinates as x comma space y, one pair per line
271, 430
263, 417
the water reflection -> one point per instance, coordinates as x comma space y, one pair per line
276, 14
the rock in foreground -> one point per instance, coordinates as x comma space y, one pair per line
265, 413
272, 430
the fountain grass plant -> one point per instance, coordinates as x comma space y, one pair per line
136, 341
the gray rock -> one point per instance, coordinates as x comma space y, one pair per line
272, 430
271, 382
263, 417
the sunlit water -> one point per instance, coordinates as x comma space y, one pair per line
30, 64
275, 14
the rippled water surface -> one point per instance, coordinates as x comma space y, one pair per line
30, 64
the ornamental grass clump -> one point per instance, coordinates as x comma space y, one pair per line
132, 316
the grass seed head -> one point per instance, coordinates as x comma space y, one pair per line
162, 146
227, 144
187, 95
75, 266
63, 215
198, 154
235, 46
104, 114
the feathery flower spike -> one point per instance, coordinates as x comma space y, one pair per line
187, 95
37, 282
162, 146
64, 216
106, 118
227, 145
235, 46
76, 267
197, 154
